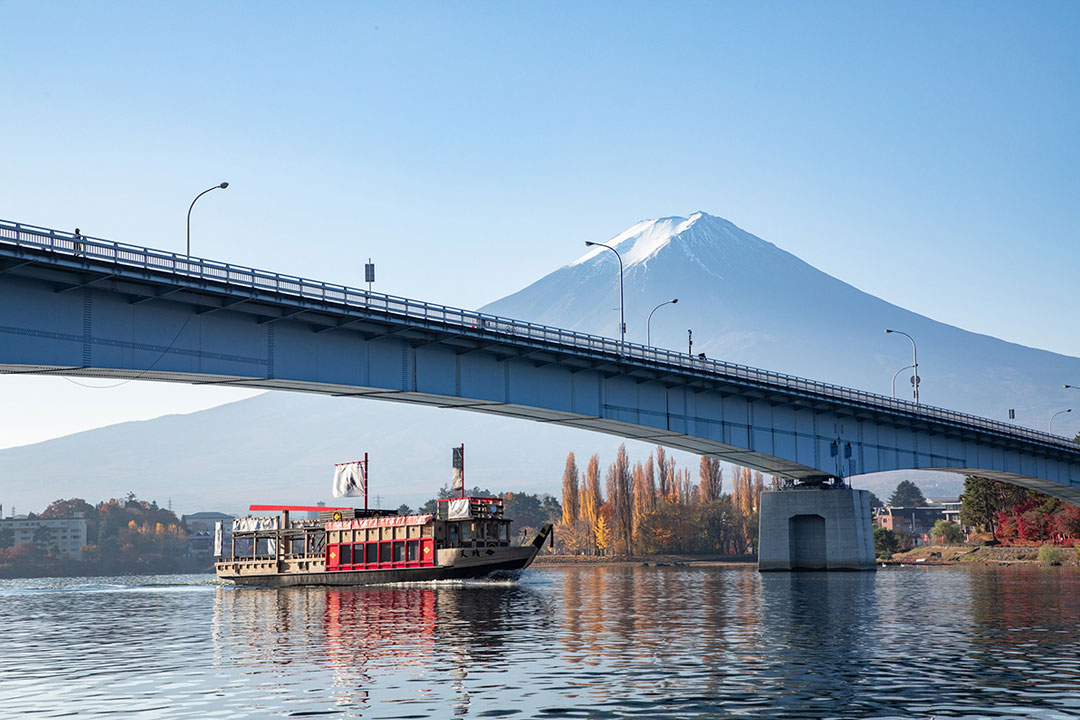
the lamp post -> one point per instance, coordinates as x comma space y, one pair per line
1050, 425
894, 379
914, 361
1072, 387
648, 333
222, 186
622, 309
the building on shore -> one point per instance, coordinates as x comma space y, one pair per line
203, 521
68, 535
949, 508
200, 531
914, 521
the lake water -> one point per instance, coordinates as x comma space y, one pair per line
594, 642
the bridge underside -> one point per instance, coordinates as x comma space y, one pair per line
699, 445
73, 317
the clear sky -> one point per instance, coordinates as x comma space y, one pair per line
925, 152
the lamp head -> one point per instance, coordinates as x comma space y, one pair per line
1066, 386
675, 301
223, 185
887, 331
589, 243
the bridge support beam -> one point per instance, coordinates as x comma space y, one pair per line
815, 528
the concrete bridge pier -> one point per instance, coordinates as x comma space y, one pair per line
815, 527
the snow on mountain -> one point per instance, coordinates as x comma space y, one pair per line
749, 302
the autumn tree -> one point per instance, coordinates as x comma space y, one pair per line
662, 471
984, 498
620, 496
591, 499
711, 479
644, 494
571, 504
757, 488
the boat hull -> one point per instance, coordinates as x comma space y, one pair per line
382, 577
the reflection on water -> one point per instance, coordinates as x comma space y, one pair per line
574, 642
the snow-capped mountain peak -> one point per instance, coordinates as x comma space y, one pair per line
694, 235
747, 301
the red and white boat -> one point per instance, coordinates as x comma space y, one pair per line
467, 537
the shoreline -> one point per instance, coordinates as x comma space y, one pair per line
643, 560
977, 555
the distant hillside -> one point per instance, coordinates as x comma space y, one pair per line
281, 447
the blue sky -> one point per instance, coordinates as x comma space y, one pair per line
924, 152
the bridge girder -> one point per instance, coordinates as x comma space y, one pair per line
249, 336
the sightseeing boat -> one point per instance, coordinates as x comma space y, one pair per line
467, 537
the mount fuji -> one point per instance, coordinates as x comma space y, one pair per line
746, 300
749, 302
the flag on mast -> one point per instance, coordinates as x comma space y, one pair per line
459, 468
350, 479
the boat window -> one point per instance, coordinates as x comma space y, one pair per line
384, 552
414, 551
454, 535
399, 552
371, 553
466, 531
505, 534
346, 555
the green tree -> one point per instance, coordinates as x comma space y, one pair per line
886, 542
7, 538
946, 533
875, 502
907, 494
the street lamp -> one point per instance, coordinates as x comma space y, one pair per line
1050, 425
622, 314
1072, 387
222, 186
648, 334
914, 361
894, 379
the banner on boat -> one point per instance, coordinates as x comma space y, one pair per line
459, 468
251, 524
350, 479
459, 508
368, 523
221, 534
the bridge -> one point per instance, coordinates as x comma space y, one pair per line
81, 306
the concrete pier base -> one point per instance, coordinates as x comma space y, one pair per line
815, 529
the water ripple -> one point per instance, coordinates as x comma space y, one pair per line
581, 642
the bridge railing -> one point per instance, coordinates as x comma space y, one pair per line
201, 272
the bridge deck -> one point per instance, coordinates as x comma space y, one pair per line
147, 274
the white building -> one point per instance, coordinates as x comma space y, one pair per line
949, 508
68, 534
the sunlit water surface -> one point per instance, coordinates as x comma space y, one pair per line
595, 642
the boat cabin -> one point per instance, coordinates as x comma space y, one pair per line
346, 539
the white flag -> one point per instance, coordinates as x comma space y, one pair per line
349, 480
458, 463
